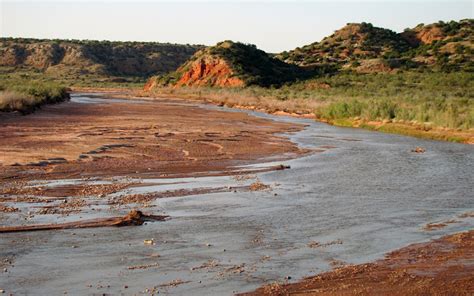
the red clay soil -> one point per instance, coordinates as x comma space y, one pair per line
441, 267
428, 35
424, 35
205, 71
208, 71
152, 138
150, 84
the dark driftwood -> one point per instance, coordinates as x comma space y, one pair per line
133, 218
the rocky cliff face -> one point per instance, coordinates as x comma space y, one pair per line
139, 59
210, 70
205, 71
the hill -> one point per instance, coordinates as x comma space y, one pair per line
70, 58
366, 48
230, 64
445, 46
348, 46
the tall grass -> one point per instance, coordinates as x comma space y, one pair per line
26, 96
260, 98
453, 113
440, 99
14, 101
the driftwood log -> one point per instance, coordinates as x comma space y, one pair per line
133, 218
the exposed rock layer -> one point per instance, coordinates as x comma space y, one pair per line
93, 57
210, 71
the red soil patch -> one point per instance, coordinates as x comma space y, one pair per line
440, 267
209, 71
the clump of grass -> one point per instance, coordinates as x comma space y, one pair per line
25, 96
15, 101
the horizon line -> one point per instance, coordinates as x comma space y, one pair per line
206, 45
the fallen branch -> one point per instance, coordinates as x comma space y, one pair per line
133, 218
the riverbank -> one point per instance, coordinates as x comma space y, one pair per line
429, 105
305, 110
440, 267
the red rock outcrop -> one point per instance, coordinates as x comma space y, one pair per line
150, 84
209, 71
423, 35
429, 34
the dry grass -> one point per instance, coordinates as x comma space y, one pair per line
15, 101
243, 97
26, 96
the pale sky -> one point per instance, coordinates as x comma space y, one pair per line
273, 26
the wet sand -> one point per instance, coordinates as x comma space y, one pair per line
441, 267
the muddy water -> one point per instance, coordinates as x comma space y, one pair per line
359, 195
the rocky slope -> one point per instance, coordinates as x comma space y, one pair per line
103, 58
353, 42
446, 46
230, 64
365, 48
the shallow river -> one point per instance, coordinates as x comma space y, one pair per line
367, 195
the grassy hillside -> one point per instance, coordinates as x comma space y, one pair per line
361, 48
254, 66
